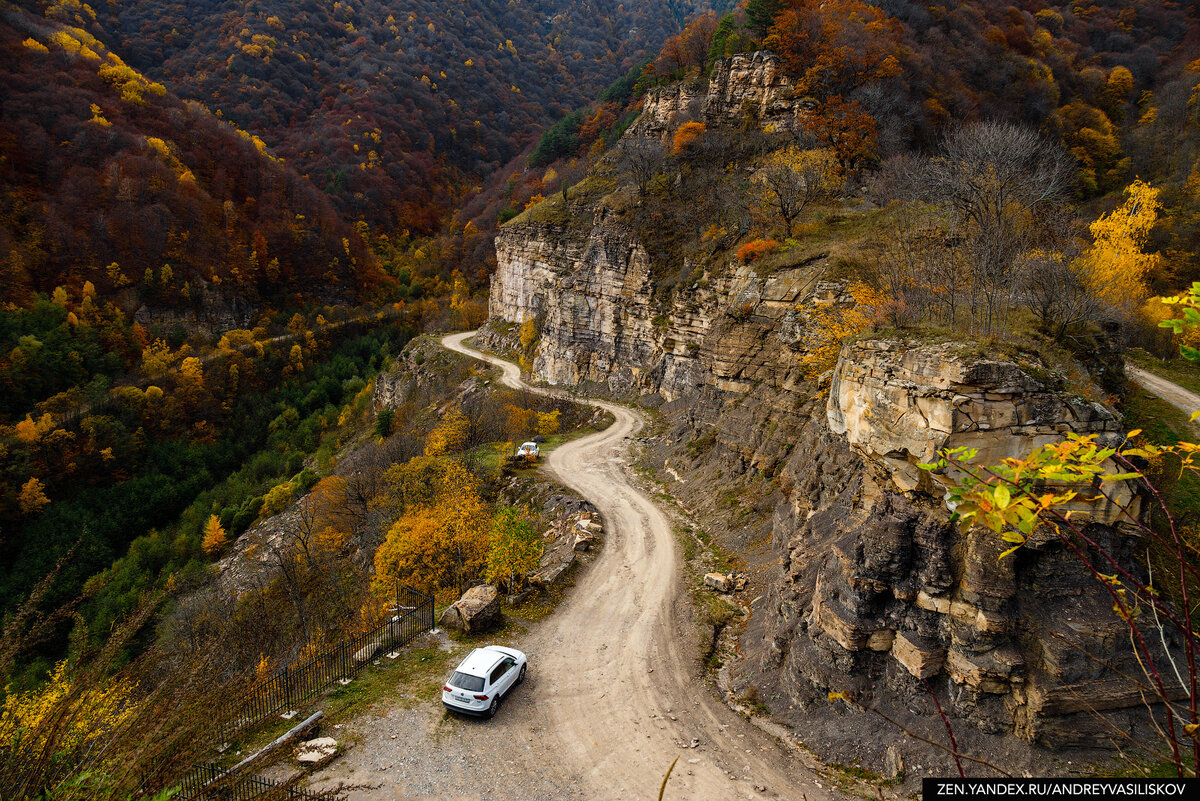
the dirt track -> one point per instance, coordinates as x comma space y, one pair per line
1172, 393
615, 691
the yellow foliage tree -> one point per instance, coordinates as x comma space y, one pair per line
32, 498
514, 548
831, 324
214, 536
1115, 267
450, 434
547, 422
686, 134
440, 545
529, 333
86, 715
407, 485
236, 339
792, 179
277, 499
27, 431
156, 358
520, 421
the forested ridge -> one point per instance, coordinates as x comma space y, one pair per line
191, 193
1115, 83
109, 178
393, 107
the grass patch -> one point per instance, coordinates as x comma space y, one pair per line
1163, 424
557, 210
555, 440
749, 698
543, 601
414, 677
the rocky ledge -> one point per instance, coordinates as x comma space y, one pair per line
875, 592
745, 88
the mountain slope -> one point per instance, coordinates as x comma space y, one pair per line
391, 105
107, 177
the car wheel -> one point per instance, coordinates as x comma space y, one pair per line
521, 675
495, 705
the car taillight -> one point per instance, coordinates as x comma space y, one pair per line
446, 688
481, 697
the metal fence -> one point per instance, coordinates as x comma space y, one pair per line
213, 783
293, 685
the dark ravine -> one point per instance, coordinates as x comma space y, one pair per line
870, 590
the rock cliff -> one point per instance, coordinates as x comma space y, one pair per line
745, 88
875, 592
869, 587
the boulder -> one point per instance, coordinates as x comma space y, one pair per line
718, 581
553, 572
478, 610
317, 753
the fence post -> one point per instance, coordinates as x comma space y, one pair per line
287, 689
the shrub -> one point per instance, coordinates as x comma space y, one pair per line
277, 499
688, 133
756, 249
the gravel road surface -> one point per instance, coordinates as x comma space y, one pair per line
615, 690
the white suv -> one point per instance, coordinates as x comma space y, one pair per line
483, 679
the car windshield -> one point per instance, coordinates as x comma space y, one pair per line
467, 682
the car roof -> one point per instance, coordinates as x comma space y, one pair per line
480, 661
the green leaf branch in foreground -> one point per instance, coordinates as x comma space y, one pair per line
1058, 492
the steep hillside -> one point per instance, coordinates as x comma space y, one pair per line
393, 107
684, 291
109, 178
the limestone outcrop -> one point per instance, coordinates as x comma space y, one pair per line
900, 403
744, 88
877, 590
871, 589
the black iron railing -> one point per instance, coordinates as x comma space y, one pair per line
295, 684
213, 783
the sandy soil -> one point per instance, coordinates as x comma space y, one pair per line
615, 691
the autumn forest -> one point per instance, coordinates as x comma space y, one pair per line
225, 227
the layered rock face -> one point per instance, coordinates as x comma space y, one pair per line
871, 589
590, 296
878, 591
748, 87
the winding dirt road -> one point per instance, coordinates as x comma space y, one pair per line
615, 691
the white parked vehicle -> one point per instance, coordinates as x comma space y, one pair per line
482, 680
528, 449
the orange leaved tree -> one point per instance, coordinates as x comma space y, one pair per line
440, 544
